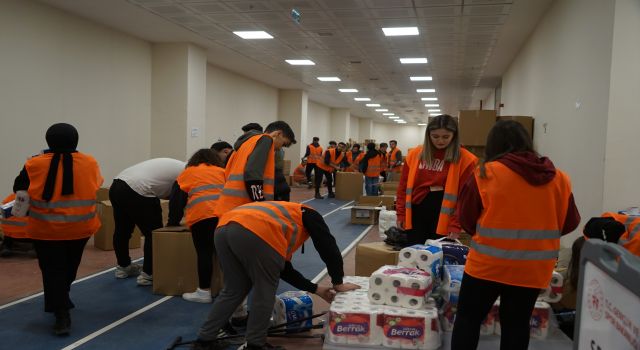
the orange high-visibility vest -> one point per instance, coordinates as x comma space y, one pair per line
630, 240
64, 217
279, 224
333, 160
315, 154
517, 236
14, 226
374, 166
393, 158
234, 192
451, 189
299, 174
353, 163
203, 184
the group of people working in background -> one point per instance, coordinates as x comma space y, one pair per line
515, 203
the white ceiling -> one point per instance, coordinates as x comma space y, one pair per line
469, 44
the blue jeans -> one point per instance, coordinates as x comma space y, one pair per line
371, 185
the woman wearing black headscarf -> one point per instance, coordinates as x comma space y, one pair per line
61, 184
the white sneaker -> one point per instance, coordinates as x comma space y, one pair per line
199, 296
129, 271
144, 279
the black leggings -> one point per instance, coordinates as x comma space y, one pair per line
307, 171
476, 300
424, 218
202, 235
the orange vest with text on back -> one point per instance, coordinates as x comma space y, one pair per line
630, 240
451, 189
65, 217
234, 192
393, 159
374, 166
203, 184
335, 161
315, 154
14, 226
518, 233
279, 224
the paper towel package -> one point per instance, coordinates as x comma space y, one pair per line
410, 329
540, 320
292, 306
423, 257
354, 324
455, 254
451, 282
386, 220
400, 286
553, 293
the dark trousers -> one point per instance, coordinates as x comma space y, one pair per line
476, 299
258, 270
129, 210
424, 218
58, 261
327, 175
10, 242
307, 171
282, 191
202, 235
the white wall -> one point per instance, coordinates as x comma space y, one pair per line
408, 136
354, 130
55, 67
567, 60
233, 101
319, 123
621, 163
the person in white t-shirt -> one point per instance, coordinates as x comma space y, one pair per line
135, 196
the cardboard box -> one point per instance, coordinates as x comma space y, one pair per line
286, 169
103, 239
349, 186
367, 209
393, 176
475, 126
478, 151
389, 188
102, 194
372, 256
175, 269
527, 122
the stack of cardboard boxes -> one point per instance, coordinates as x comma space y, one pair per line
475, 126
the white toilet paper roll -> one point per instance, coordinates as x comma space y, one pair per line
407, 256
378, 297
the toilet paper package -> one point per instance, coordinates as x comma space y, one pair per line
488, 326
423, 257
292, 306
400, 286
361, 281
451, 282
386, 220
454, 252
354, 324
553, 293
540, 319
448, 316
410, 329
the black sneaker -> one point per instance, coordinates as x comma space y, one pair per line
200, 344
331, 195
240, 322
266, 346
62, 326
318, 196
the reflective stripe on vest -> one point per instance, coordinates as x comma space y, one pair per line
212, 197
61, 204
517, 234
204, 188
60, 217
514, 254
12, 222
274, 216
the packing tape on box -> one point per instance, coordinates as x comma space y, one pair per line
292, 306
400, 286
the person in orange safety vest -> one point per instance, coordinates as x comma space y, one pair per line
14, 230
329, 165
516, 206
313, 155
616, 228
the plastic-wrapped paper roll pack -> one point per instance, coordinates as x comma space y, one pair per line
454, 253
451, 282
423, 257
488, 326
540, 320
354, 324
386, 220
363, 282
553, 293
410, 329
292, 306
448, 316
400, 286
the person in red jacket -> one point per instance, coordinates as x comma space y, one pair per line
432, 176
516, 206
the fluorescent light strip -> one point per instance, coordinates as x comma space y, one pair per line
400, 31
432, 105
259, 34
362, 99
425, 90
433, 110
394, 117
388, 114
348, 90
382, 110
429, 99
413, 60
300, 62
329, 79
434, 114
422, 124
373, 105
421, 78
